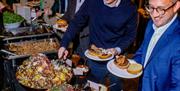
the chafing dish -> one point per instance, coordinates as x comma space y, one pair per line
24, 46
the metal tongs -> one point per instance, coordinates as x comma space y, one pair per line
4, 51
61, 61
58, 62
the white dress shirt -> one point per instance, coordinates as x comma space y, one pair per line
66, 4
79, 4
116, 4
158, 32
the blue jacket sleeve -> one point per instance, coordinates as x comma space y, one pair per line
80, 20
175, 74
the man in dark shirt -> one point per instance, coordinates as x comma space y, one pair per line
112, 26
81, 42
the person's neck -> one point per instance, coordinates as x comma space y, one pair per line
113, 3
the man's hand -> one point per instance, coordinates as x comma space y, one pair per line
113, 51
39, 13
47, 11
62, 53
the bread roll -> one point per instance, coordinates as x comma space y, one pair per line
134, 68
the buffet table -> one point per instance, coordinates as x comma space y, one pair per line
22, 43
17, 48
18, 44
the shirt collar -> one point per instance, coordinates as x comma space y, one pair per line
113, 4
80, 1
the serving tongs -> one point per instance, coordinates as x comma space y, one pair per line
58, 62
2, 36
61, 61
7, 52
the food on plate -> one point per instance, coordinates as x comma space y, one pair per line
61, 23
134, 68
94, 51
99, 52
121, 62
104, 56
40, 73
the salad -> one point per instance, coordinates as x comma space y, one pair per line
9, 17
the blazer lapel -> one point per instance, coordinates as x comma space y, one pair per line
74, 2
164, 39
71, 7
147, 40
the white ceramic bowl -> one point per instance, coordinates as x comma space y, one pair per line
12, 25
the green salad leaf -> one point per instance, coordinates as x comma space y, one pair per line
9, 17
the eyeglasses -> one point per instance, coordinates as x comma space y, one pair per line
161, 11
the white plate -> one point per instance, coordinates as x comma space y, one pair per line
97, 58
55, 26
120, 72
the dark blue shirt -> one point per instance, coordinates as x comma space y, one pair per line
109, 27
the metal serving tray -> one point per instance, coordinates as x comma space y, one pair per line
10, 55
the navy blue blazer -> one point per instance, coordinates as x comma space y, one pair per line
162, 72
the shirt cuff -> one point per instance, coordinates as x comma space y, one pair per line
118, 49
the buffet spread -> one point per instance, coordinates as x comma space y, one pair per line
40, 73
37, 71
24, 46
33, 47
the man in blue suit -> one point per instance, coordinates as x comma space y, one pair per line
160, 50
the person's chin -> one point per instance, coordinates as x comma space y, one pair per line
158, 24
110, 2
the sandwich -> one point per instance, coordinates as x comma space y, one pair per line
61, 23
121, 62
99, 52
